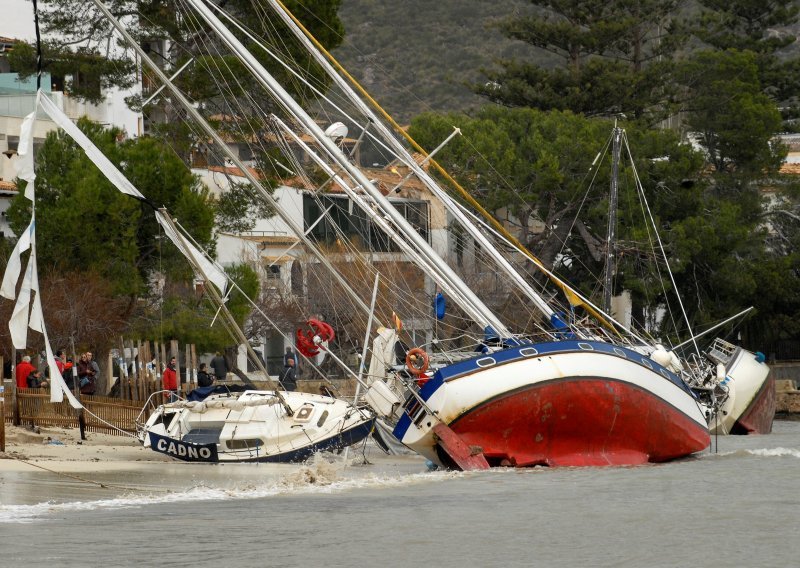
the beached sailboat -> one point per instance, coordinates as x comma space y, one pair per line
563, 395
575, 399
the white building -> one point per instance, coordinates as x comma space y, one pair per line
17, 100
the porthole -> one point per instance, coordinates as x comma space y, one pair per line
485, 362
586, 346
528, 352
620, 352
647, 363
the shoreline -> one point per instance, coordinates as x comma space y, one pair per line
62, 449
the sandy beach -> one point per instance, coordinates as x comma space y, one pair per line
61, 449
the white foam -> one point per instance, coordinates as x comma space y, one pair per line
776, 452
761, 452
317, 478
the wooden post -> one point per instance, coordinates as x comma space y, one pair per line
175, 351
2, 413
123, 372
111, 372
194, 364
14, 400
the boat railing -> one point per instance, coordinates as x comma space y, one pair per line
150, 405
721, 351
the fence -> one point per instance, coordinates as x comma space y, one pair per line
33, 406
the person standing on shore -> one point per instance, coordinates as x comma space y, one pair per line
95, 371
289, 377
219, 366
203, 378
86, 373
24, 368
170, 381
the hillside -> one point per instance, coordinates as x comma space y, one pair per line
418, 55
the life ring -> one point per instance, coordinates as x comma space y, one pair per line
304, 340
417, 361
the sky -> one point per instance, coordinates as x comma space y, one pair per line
16, 21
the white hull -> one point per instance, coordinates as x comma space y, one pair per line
745, 378
254, 426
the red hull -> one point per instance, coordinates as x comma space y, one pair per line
757, 419
580, 422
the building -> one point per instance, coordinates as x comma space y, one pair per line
17, 100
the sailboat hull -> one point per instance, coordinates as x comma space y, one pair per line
750, 407
252, 426
565, 403
759, 415
579, 421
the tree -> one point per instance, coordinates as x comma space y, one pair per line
178, 310
735, 121
84, 224
613, 57
755, 27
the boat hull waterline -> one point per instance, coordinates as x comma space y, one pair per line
567, 404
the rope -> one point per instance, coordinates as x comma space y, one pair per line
83, 479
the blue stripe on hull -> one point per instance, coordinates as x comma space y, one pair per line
335, 442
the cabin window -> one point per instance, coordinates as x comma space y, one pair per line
246, 444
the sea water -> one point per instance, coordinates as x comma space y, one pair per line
736, 504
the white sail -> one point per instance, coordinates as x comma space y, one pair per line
18, 324
92, 152
14, 266
210, 269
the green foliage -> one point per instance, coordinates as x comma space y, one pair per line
183, 314
84, 72
734, 119
614, 58
83, 223
76, 22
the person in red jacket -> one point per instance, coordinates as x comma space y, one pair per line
24, 369
170, 380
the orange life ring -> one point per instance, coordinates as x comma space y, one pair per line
417, 361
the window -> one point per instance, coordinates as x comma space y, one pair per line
345, 219
274, 272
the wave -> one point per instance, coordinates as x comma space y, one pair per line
320, 477
760, 452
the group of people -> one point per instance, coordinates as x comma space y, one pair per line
85, 374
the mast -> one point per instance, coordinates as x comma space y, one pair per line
187, 105
474, 306
401, 151
611, 233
